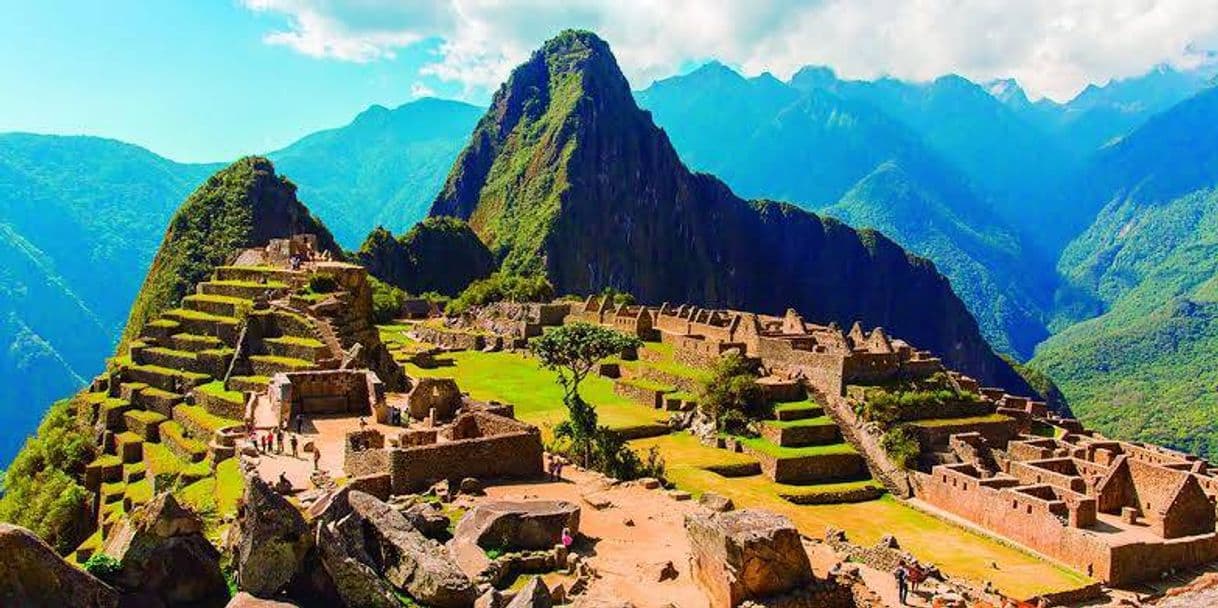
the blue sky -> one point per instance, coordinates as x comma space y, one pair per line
209, 80
193, 81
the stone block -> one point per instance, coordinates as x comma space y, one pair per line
746, 555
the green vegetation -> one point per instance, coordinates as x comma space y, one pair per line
102, 566
887, 405
387, 300
573, 351
501, 287
901, 445
246, 200
42, 489
731, 396
439, 255
216, 388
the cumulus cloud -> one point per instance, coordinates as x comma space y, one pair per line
1052, 47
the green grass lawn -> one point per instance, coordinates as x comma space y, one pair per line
786, 424
805, 404
516, 379
764, 446
933, 422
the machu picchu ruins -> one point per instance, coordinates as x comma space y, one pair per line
581, 372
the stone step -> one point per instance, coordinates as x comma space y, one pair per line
188, 448
801, 433
155, 400
267, 365
129, 447
110, 414
797, 411
166, 379
248, 383
224, 306
194, 343
144, 423
166, 357
159, 330
256, 274
247, 290
807, 465
206, 324
308, 349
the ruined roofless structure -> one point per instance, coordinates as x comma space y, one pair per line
1121, 512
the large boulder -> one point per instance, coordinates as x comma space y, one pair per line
427, 519
534, 594
518, 526
409, 560
273, 540
163, 553
347, 564
34, 576
746, 555
245, 600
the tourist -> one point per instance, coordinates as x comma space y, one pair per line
567, 539
363, 423
316, 457
279, 440
558, 465
902, 575
293, 439
266, 442
550, 466
299, 423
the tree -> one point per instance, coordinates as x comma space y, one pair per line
573, 352
731, 396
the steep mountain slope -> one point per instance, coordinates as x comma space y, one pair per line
1009, 160
240, 206
383, 168
817, 140
1101, 114
77, 218
1150, 260
439, 254
565, 175
982, 260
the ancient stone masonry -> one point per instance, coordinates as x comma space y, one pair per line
477, 443
1118, 511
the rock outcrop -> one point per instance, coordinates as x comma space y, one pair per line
518, 526
373, 537
746, 555
245, 600
274, 540
534, 594
34, 576
163, 554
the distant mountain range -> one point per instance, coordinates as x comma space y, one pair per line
988, 185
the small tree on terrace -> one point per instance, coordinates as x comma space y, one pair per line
573, 351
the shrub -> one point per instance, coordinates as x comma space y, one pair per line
500, 287
102, 566
731, 396
42, 485
321, 282
902, 446
387, 301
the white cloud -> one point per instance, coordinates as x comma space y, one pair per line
419, 89
1052, 47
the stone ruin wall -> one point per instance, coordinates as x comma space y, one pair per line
1043, 525
517, 453
451, 339
324, 392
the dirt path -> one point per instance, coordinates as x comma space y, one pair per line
627, 556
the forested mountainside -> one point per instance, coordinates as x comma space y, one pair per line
242, 205
383, 169
566, 175
1145, 367
827, 146
78, 226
